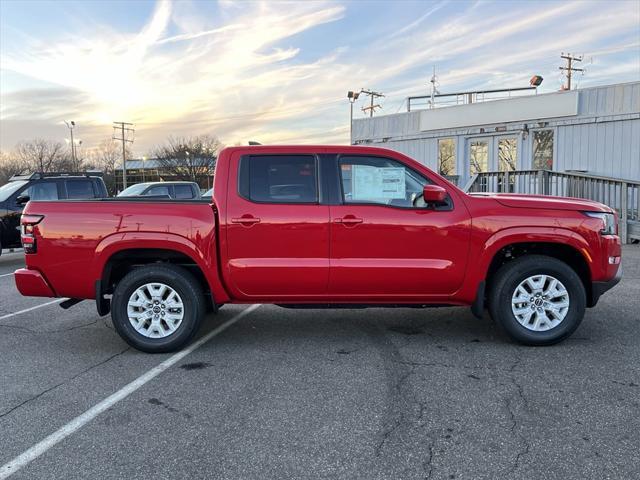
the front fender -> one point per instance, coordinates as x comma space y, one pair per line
486, 251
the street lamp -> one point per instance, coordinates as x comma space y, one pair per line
352, 96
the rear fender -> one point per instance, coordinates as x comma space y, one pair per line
206, 260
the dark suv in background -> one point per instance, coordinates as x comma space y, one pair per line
42, 186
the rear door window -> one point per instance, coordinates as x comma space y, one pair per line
279, 178
42, 191
80, 189
183, 191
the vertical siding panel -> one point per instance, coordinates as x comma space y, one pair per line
593, 143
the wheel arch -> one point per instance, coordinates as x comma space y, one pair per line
119, 253
564, 245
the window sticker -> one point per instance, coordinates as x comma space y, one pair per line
377, 183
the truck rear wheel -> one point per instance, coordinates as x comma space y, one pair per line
157, 308
537, 300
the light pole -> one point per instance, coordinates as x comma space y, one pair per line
143, 159
73, 148
352, 96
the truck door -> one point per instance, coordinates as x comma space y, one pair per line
385, 243
277, 229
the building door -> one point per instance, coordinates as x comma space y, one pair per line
493, 154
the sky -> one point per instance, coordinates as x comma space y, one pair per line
278, 72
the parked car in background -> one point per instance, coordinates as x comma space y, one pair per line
208, 195
177, 190
42, 186
323, 226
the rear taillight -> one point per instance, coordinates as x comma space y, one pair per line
28, 224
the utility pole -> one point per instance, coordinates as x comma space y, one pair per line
70, 126
373, 96
569, 68
123, 128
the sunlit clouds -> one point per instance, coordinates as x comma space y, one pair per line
279, 72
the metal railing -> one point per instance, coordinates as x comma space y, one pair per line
620, 194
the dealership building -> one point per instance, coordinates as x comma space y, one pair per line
595, 131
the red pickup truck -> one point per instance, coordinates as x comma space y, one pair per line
323, 226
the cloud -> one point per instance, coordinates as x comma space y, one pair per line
248, 70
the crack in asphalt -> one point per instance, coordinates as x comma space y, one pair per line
44, 392
526, 445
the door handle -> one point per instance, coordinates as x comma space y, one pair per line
246, 220
348, 220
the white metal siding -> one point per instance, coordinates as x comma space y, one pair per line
603, 138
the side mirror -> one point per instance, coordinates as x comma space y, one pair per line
22, 199
434, 194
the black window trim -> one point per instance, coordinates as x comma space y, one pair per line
449, 206
319, 181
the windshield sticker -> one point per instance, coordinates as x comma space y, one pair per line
377, 183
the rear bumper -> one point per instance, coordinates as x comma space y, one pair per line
598, 288
31, 283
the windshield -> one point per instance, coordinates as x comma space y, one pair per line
208, 193
133, 190
7, 190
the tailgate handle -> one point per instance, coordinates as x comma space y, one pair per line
246, 220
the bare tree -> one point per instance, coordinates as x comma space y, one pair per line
40, 155
105, 158
9, 166
190, 158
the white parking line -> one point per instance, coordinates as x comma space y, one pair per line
6, 274
9, 315
38, 449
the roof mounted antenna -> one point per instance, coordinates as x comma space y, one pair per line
253, 142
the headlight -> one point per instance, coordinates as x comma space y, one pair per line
609, 222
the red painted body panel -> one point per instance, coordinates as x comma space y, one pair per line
299, 254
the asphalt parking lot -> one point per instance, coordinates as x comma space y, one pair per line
350, 394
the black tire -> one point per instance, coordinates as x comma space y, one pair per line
507, 279
179, 280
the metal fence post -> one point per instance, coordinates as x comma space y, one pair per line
540, 189
624, 212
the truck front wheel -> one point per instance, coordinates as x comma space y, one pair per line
537, 300
157, 308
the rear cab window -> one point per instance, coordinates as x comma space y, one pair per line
279, 178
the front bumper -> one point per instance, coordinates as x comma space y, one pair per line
598, 288
31, 283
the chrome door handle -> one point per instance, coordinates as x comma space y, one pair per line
348, 220
246, 220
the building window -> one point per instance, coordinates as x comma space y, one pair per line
507, 154
446, 157
543, 150
478, 157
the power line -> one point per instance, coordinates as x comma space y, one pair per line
569, 69
124, 138
373, 95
